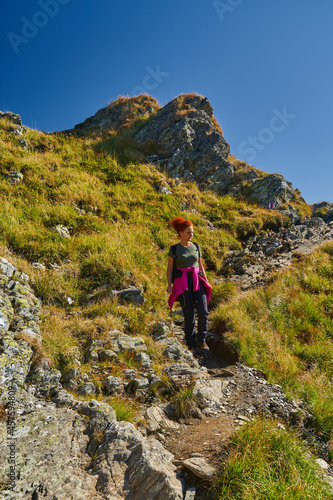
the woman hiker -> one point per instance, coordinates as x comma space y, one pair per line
190, 284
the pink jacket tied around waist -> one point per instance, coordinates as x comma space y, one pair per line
180, 284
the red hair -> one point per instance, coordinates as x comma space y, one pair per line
180, 224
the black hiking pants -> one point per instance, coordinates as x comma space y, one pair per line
188, 300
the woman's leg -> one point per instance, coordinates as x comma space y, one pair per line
186, 303
202, 311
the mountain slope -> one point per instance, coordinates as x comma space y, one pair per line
85, 215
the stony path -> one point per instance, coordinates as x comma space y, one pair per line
198, 443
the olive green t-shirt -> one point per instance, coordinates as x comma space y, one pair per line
186, 256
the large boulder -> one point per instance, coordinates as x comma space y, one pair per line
50, 453
131, 466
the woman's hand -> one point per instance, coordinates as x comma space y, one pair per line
169, 289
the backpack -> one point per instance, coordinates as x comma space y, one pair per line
175, 273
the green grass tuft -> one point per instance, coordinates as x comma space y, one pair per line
264, 460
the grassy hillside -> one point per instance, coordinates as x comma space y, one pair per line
117, 220
100, 187
286, 331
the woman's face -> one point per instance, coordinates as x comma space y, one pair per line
187, 234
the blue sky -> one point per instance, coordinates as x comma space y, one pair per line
266, 67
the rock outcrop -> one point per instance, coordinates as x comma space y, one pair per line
120, 113
12, 117
272, 251
190, 146
52, 446
196, 150
324, 210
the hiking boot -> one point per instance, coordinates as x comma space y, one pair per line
194, 351
202, 346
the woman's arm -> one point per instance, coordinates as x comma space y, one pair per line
169, 274
201, 267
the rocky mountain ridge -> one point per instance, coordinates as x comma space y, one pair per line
189, 145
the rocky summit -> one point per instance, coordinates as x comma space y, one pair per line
189, 144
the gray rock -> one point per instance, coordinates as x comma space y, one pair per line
209, 392
87, 389
112, 384
144, 359
200, 467
272, 188
132, 295
62, 231
51, 455
38, 265
13, 117
44, 380
101, 416
322, 464
154, 381
140, 467
92, 355
63, 398
164, 190
156, 419
323, 210
72, 374
274, 247
159, 331
181, 374
150, 473
254, 264
6, 267
15, 177
95, 408
24, 144
138, 384
190, 493
71, 385
107, 355
122, 342
129, 374
176, 351
118, 113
